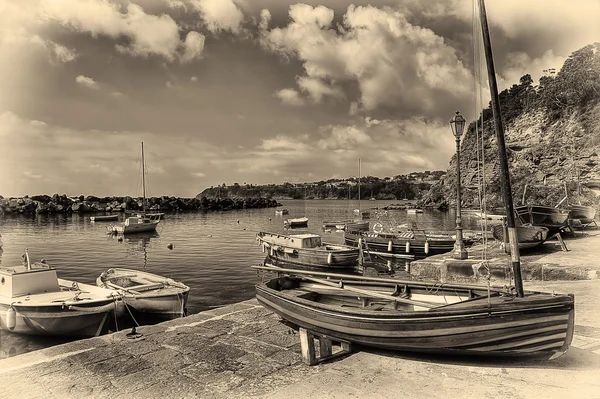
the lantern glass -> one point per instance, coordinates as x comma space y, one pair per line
457, 123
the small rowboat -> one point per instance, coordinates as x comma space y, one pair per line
296, 222
147, 294
527, 236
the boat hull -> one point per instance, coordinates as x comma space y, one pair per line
297, 222
104, 218
553, 219
82, 320
527, 236
538, 325
137, 228
586, 214
396, 244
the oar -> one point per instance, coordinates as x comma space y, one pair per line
341, 285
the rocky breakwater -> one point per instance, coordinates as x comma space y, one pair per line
45, 204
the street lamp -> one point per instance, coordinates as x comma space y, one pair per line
457, 123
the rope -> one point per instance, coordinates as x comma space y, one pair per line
130, 314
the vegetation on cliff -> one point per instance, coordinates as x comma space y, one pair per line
552, 140
410, 186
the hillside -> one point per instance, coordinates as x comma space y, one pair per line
552, 133
411, 186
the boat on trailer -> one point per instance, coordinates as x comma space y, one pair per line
586, 214
422, 317
528, 236
307, 250
34, 301
554, 219
145, 293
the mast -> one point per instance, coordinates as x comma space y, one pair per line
359, 188
504, 175
143, 181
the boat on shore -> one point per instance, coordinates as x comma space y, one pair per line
586, 214
146, 294
34, 301
422, 317
296, 222
527, 236
307, 250
554, 219
104, 218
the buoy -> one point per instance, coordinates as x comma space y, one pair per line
390, 246
263, 248
11, 318
426, 247
389, 265
120, 239
238, 221
407, 246
170, 246
329, 258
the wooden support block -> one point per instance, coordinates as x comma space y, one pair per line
307, 346
562, 243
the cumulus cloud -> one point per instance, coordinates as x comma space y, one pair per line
394, 63
58, 52
148, 34
521, 63
87, 82
290, 97
193, 46
220, 15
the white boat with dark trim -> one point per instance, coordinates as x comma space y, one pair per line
147, 294
34, 301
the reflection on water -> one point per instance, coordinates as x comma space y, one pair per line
209, 252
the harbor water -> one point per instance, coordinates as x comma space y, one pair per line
211, 252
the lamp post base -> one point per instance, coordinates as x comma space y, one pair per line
460, 252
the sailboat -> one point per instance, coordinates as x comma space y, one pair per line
355, 224
358, 212
430, 317
141, 222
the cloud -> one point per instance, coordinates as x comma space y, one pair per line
87, 82
194, 79
220, 15
193, 46
521, 63
58, 52
394, 63
147, 34
290, 97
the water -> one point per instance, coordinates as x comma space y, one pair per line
212, 253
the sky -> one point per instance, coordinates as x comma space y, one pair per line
252, 91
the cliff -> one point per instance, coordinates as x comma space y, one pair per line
552, 134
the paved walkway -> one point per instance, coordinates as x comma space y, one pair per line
242, 351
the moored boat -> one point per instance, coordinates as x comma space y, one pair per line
418, 243
421, 317
361, 225
104, 218
281, 211
527, 236
307, 250
34, 301
296, 222
146, 294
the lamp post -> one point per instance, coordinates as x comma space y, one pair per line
457, 123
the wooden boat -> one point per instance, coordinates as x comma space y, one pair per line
418, 243
142, 222
554, 219
362, 214
586, 214
307, 250
281, 211
361, 225
430, 317
145, 293
104, 218
34, 301
528, 236
413, 211
421, 317
296, 222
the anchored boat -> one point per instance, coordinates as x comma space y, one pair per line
145, 293
307, 250
34, 301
